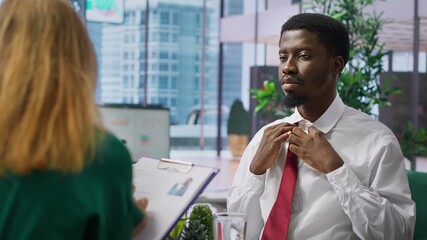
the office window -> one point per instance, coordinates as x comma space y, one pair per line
155, 36
197, 20
164, 37
175, 18
142, 22
174, 37
174, 67
163, 55
154, 54
127, 38
154, 82
174, 80
164, 18
142, 55
131, 81
163, 82
154, 67
125, 81
196, 83
154, 100
141, 81
163, 101
164, 67
173, 102
171, 58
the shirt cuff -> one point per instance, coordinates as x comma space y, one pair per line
254, 182
343, 179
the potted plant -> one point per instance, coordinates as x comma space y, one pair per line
238, 128
197, 226
359, 84
269, 99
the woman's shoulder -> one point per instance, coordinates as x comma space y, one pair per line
112, 149
111, 142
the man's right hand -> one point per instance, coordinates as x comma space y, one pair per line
269, 147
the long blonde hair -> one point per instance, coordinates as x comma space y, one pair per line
48, 75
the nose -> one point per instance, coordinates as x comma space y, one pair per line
289, 67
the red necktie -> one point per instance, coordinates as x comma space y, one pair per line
278, 221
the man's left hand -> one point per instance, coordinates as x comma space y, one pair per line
314, 149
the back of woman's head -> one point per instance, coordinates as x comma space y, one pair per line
48, 76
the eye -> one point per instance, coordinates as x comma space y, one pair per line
304, 57
283, 58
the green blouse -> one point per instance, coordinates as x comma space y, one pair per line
96, 203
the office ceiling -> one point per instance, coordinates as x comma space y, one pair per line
397, 33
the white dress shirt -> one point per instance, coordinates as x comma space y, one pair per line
367, 198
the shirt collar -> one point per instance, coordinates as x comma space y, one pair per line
328, 119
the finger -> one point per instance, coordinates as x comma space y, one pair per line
281, 131
312, 130
293, 148
281, 125
283, 137
294, 139
298, 131
142, 203
275, 130
286, 124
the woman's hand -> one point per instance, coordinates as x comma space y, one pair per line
142, 205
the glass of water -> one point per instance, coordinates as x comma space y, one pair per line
229, 226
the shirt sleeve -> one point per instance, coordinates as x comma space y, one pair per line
126, 215
384, 209
245, 192
128, 224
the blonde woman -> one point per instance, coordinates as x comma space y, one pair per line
62, 176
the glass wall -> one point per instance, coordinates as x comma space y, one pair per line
404, 61
166, 54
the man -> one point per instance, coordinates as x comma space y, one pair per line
351, 181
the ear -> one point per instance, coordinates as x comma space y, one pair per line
337, 65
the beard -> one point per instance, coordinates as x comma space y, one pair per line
290, 100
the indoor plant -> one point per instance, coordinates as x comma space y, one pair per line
198, 225
269, 99
359, 84
238, 128
413, 143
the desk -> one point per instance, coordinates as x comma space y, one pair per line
216, 192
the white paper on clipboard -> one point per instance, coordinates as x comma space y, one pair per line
171, 187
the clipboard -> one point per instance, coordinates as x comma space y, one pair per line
171, 187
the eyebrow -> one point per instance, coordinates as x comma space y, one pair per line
300, 49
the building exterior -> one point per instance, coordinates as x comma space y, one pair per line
174, 58
232, 63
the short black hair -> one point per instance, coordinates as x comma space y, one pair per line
330, 32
